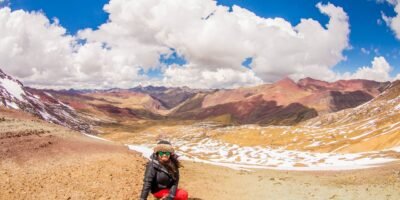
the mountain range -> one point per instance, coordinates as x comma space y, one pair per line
281, 103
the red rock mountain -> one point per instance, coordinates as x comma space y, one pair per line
281, 103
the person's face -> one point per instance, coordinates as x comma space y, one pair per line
164, 156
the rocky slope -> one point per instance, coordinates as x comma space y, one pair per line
169, 97
39, 160
282, 103
111, 106
43, 105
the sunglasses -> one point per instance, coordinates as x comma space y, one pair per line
161, 153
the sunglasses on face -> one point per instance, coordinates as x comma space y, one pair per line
161, 153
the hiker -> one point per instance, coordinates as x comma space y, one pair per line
162, 174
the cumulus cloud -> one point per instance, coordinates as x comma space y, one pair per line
30, 45
42, 54
213, 39
393, 22
199, 78
397, 77
379, 71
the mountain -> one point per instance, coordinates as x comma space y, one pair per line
14, 95
374, 125
282, 103
169, 97
369, 131
371, 87
111, 105
339, 95
116, 105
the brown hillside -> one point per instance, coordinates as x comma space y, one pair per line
45, 161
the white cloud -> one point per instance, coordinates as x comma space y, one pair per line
376, 51
379, 22
393, 22
213, 40
397, 77
379, 71
31, 45
307, 48
196, 77
365, 51
41, 54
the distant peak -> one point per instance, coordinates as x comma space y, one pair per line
356, 81
6, 76
309, 80
285, 82
2, 74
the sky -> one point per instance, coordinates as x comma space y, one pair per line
197, 43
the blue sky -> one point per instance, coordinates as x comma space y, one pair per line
363, 15
367, 29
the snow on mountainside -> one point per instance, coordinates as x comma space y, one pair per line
360, 137
10, 90
375, 125
14, 95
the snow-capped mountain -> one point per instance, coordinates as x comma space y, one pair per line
14, 95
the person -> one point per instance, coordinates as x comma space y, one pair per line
161, 177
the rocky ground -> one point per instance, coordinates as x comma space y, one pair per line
45, 161
214, 183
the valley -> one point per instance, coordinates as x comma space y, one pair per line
342, 147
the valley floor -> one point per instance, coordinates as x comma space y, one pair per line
214, 183
45, 161
84, 169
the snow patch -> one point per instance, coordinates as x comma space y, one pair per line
13, 88
95, 137
145, 150
397, 149
236, 157
12, 105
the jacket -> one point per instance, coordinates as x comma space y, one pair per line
157, 178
